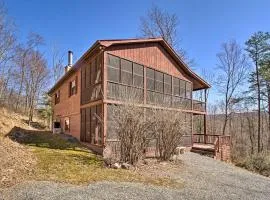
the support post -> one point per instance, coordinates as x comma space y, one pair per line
204, 117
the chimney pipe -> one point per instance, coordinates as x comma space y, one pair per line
70, 58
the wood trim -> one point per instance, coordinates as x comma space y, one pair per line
108, 101
93, 103
105, 113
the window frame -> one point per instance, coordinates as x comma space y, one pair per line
73, 90
57, 97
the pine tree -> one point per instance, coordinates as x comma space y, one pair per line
258, 47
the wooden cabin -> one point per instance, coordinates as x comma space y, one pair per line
82, 98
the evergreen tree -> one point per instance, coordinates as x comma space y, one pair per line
258, 48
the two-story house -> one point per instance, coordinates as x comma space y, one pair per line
82, 98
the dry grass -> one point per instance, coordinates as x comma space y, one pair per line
16, 160
59, 160
259, 163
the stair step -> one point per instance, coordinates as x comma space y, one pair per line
209, 153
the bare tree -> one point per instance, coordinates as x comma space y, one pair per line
36, 80
233, 69
160, 23
57, 64
7, 42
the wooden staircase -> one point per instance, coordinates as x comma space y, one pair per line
215, 146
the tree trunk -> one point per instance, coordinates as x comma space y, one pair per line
268, 99
259, 107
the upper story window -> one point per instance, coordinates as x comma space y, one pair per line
73, 87
57, 97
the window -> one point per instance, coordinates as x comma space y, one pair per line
113, 69
67, 124
57, 97
158, 81
150, 79
126, 72
73, 87
138, 75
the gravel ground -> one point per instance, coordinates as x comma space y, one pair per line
203, 177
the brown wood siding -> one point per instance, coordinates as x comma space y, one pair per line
151, 55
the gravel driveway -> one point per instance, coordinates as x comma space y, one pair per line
203, 177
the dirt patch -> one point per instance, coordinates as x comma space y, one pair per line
156, 169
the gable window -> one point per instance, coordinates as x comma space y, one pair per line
73, 87
57, 97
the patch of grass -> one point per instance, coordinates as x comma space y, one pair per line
60, 160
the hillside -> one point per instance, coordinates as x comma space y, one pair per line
16, 160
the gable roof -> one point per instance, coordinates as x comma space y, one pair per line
103, 44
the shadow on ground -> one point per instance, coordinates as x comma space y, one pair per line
44, 139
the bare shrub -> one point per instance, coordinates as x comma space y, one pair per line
169, 128
136, 126
259, 163
132, 131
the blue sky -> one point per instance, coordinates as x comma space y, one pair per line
76, 25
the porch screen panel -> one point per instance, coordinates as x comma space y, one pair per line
111, 129
158, 81
113, 68
138, 75
87, 75
182, 88
98, 70
99, 136
126, 72
188, 90
82, 136
93, 124
87, 125
150, 79
167, 84
176, 86
93, 71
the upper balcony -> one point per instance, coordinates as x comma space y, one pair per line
146, 86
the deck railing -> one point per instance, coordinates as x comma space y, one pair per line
216, 140
198, 105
